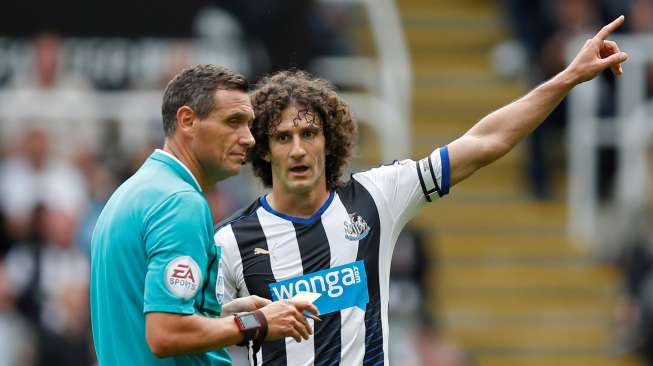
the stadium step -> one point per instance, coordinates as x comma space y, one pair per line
537, 304
477, 214
523, 274
561, 360
460, 96
498, 246
507, 282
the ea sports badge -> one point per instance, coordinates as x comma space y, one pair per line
183, 277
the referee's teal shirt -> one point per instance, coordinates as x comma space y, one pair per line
153, 251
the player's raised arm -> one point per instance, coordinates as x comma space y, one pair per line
497, 133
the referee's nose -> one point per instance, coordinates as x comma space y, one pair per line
246, 137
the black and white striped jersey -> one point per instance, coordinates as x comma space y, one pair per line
343, 252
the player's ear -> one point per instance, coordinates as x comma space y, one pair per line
266, 156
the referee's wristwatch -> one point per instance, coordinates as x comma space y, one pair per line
254, 327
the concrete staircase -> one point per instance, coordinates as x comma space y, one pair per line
509, 285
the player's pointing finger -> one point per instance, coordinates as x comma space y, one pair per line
605, 31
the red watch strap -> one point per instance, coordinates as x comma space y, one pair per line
263, 330
248, 334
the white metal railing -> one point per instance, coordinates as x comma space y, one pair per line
633, 174
629, 132
386, 104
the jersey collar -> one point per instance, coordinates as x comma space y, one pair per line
294, 219
177, 166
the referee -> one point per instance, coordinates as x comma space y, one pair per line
154, 265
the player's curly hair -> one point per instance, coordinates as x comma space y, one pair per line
296, 88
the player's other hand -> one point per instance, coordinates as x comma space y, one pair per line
244, 304
598, 54
286, 319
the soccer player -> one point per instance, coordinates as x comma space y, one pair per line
315, 233
156, 295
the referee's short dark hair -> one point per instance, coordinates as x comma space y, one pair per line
195, 87
275, 93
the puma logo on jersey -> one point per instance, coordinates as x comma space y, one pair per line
261, 251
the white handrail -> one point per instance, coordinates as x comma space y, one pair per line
632, 176
396, 77
630, 135
390, 93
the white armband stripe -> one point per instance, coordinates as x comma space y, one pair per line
429, 171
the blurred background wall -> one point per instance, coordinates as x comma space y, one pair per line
543, 258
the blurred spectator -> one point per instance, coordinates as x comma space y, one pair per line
544, 28
635, 306
113, 155
408, 297
233, 193
49, 276
633, 314
101, 183
34, 175
16, 338
641, 16
47, 64
414, 336
291, 33
641, 21
181, 58
6, 239
570, 18
528, 25
221, 203
45, 93
611, 9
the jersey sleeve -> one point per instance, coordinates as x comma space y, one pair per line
176, 242
407, 185
229, 263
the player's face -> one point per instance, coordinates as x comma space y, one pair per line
297, 151
222, 138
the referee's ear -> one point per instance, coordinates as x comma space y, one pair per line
185, 118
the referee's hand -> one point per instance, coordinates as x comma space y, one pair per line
286, 319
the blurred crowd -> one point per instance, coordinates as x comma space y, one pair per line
542, 29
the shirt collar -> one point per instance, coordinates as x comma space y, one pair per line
177, 166
264, 202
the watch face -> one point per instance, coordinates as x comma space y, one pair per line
249, 321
